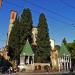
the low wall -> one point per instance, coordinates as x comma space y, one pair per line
40, 66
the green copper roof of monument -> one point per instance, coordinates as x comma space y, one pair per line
27, 50
63, 50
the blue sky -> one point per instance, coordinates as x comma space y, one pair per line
60, 15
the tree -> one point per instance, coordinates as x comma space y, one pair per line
4, 64
64, 41
21, 31
57, 47
43, 43
26, 26
14, 39
71, 47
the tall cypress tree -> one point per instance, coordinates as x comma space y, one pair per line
21, 31
64, 41
43, 43
26, 26
14, 39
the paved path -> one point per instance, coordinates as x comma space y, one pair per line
46, 73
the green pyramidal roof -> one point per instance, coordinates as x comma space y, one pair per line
27, 50
63, 50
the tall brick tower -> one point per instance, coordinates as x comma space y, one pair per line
12, 19
1, 2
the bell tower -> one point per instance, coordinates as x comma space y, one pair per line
12, 19
1, 2
12, 16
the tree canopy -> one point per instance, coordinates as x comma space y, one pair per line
14, 39
21, 31
43, 40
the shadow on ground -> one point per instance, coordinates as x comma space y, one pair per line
69, 74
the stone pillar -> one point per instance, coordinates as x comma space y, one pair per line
67, 63
61, 66
59, 63
33, 67
70, 62
21, 60
33, 58
64, 63
67, 66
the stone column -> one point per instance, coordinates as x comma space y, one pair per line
33, 67
65, 63
59, 63
70, 62
61, 66
67, 66
33, 59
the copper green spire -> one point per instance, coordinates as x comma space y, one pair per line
63, 50
27, 50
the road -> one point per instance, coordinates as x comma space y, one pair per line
46, 73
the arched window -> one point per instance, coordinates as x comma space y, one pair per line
26, 58
35, 67
39, 67
30, 60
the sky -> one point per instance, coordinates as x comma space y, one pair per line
60, 16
